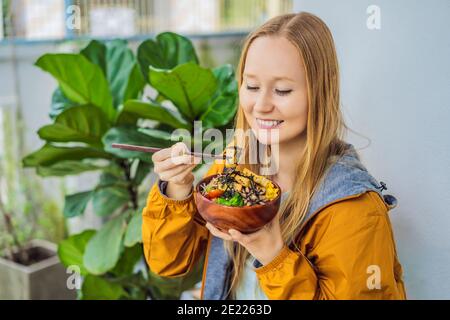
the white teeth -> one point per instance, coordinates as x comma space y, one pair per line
269, 123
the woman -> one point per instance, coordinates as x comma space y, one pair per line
332, 237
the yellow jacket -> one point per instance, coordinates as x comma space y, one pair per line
344, 249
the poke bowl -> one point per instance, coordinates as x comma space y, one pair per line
236, 199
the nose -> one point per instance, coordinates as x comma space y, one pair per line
263, 103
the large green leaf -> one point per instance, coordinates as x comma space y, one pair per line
85, 123
107, 200
95, 52
66, 168
50, 154
136, 285
75, 204
98, 288
71, 250
59, 103
128, 260
188, 86
223, 105
120, 67
80, 80
154, 111
168, 51
164, 135
133, 234
135, 84
130, 135
226, 79
111, 179
103, 250
220, 111
164, 288
143, 169
126, 119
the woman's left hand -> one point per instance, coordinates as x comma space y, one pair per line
264, 244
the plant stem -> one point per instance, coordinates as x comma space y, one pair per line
126, 166
23, 256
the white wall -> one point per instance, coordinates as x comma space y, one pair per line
396, 91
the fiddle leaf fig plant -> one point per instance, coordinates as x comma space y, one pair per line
100, 101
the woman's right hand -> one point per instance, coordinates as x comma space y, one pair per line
175, 166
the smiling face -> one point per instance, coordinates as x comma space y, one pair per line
273, 93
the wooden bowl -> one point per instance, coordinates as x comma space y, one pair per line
246, 219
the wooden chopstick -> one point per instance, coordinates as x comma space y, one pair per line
155, 149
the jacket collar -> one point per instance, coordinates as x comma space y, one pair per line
345, 178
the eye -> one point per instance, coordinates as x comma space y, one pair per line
282, 92
250, 88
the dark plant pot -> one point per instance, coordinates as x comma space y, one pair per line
45, 279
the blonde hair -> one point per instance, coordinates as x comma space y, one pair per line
324, 130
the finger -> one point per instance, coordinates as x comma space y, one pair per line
236, 235
169, 163
175, 150
185, 159
161, 155
216, 232
183, 178
179, 149
182, 154
273, 224
178, 170
197, 160
244, 238
269, 225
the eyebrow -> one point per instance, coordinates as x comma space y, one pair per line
248, 75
